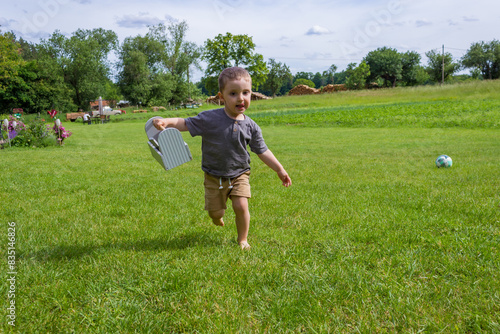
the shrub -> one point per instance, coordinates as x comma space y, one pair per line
32, 134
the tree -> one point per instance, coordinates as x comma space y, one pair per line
82, 61
435, 66
277, 76
232, 50
357, 76
191, 55
154, 69
177, 56
49, 89
385, 63
28, 80
112, 93
11, 63
319, 80
302, 81
172, 52
304, 75
330, 74
287, 85
341, 77
258, 71
422, 77
142, 73
410, 73
134, 78
484, 57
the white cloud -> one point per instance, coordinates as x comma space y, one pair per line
422, 23
318, 30
285, 41
469, 19
139, 21
5, 22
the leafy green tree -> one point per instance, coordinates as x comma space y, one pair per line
232, 50
435, 66
278, 74
302, 81
258, 70
484, 57
191, 56
135, 76
341, 77
288, 84
385, 63
83, 61
171, 70
112, 92
422, 77
47, 86
319, 80
141, 79
303, 75
11, 63
357, 75
171, 50
154, 69
26, 80
410, 61
171, 39
203, 84
330, 74
166, 89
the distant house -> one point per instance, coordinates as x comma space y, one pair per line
94, 105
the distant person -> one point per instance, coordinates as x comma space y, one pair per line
225, 133
86, 119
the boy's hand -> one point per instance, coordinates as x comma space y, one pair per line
269, 159
163, 123
160, 124
283, 175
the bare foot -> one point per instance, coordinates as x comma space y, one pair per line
218, 222
244, 245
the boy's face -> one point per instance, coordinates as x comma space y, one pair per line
236, 96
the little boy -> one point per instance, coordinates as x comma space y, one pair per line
225, 133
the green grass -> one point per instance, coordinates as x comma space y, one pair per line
371, 237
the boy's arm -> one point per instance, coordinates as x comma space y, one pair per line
178, 123
269, 159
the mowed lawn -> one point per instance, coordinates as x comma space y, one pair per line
370, 238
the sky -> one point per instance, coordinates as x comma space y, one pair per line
306, 35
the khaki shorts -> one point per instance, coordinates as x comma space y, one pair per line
215, 198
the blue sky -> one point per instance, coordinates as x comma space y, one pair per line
307, 35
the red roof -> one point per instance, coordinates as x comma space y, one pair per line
95, 104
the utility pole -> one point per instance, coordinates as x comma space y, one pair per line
442, 72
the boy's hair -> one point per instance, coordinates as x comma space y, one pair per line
232, 73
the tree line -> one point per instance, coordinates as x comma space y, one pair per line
66, 73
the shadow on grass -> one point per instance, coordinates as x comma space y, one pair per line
70, 252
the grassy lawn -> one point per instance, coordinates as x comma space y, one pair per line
370, 238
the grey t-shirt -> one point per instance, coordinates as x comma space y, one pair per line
224, 142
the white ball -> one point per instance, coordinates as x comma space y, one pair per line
444, 161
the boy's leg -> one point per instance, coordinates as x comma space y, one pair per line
242, 216
214, 203
217, 217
